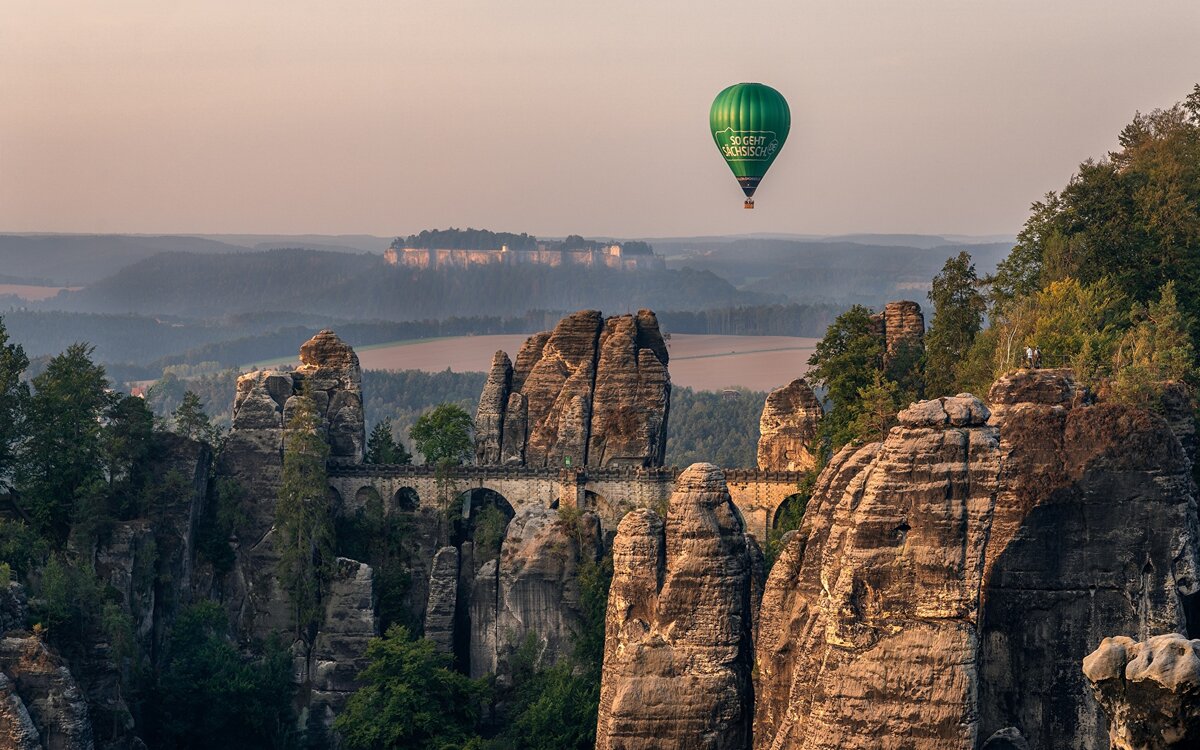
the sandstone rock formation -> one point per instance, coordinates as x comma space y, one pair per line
533, 588
947, 582
882, 580
787, 427
594, 392
443, 596
678, 630
330, 669
253, 459
41, 705
489, 414
1150, 691
901, 325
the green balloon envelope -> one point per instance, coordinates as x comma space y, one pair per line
749, 122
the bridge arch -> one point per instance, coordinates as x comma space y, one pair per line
406, 499
790, 511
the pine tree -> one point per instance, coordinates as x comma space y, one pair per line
957, 317
846, 361
383, 448
304, 518
192, 421
880, 403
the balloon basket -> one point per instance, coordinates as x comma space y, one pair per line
749, 203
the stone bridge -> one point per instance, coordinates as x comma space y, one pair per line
610, 492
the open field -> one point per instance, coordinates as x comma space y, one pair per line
32, 293
702, 362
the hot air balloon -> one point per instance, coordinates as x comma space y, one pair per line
749, 123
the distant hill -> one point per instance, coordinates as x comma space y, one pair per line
363, 286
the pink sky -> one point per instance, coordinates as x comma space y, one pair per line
386, 117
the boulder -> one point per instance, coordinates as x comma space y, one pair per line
1149, 689
677, 659
38, 680
787, 428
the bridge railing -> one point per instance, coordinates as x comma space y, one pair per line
570, 475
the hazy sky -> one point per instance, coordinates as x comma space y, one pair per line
557, 116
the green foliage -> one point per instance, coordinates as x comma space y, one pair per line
221, 520
69, 601
958, 309
382, 447
191, 421
490, 524
878, 404
59, 465
21, 547
304, 518
209, 695
443, 435
1155, 350
845, 362
377, 538
789, 516
13, 393
411, 698
720, 428
1132, 218
595, 579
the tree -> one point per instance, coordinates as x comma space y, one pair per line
208, 695
880, 403
443, 435
844, 363
411, 698
13, 393
192, 421
304, 518
383, 448
59, 467
958, 309
1156, 350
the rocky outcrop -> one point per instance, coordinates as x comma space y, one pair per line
331, 668
1150, 691
38, 692
489, 415
443, 596
946, 583
253, 461
901, 325
787, 428
867, 627
678, 630
592, 392
533, 589
1094, 533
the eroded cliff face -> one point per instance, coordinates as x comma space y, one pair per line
867, 636
253, 461
593, 391
787, 428
678, 630
901, 326
947, 583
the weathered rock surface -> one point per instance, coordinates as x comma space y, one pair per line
338, 654
1094, 533
678, 631
533, 589
594, 392
946, 584
787, 427
867, 635
253, 459
443, 596
901, 325
1150, 691
34, 679
489, 415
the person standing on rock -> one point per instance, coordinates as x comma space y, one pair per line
1037, 358
1029, 356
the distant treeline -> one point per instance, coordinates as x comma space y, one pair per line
466, 239
757, 320
364, 287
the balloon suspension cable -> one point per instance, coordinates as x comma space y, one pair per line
749, 203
